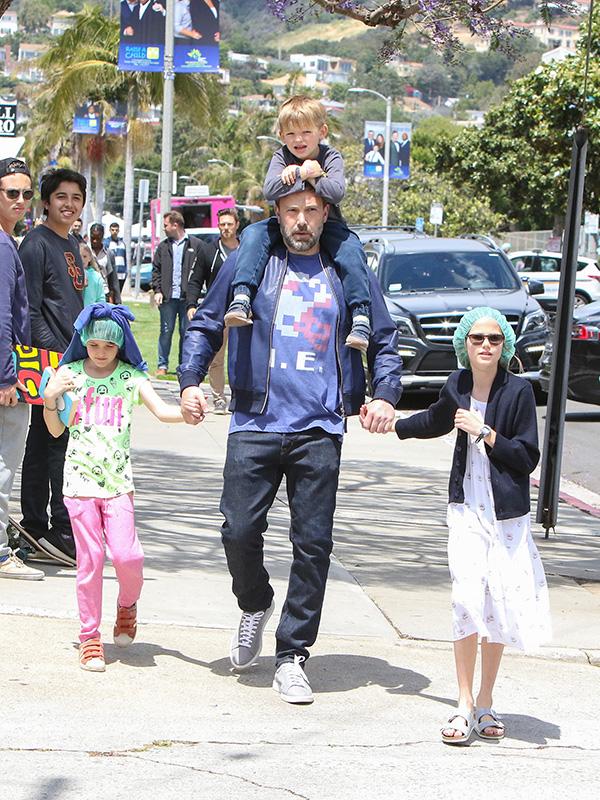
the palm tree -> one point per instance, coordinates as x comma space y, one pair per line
82, 65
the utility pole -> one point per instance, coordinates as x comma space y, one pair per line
166, 167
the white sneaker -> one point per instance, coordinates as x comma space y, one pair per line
291, 682
13, 567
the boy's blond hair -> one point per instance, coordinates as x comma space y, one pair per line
301, 110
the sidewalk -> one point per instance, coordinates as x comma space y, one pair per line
168, 716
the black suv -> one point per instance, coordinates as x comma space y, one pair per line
429, 283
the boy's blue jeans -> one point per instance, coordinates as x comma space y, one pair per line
254, 468
344, 247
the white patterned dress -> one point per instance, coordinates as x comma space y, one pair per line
499, 589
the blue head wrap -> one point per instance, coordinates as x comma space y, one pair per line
86, 323
466, 323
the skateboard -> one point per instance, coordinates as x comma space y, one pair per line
15, 531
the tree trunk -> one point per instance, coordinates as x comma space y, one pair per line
86, 170
100, 192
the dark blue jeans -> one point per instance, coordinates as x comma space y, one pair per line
337, 239
255, 465
169, 311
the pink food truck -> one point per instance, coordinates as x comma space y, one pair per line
199, 213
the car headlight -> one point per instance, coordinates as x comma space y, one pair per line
536, 322
405, 327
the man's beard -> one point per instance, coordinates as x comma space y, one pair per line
300, 245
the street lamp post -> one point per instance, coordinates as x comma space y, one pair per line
388, 136
269, 139
226, 164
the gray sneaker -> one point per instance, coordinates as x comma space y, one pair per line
247, 640
291, 682
219, 406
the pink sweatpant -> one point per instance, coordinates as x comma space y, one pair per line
95, 520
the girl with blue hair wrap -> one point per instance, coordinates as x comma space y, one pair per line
499, 591
104, 375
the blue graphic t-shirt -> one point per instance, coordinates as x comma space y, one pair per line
304, 387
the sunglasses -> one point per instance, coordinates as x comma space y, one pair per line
479, 338
14, 194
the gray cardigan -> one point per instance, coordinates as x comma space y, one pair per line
511, 413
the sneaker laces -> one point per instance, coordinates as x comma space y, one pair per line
248, 627
294, 673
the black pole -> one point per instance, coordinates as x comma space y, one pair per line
547, 509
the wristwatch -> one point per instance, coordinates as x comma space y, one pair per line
485, 431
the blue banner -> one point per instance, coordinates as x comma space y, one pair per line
88, 119
196, 29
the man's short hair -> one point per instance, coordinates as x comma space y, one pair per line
301, 110
51, 180
97, 227
228, 212
175, 218
114, 225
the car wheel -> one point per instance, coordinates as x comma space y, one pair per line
581, 299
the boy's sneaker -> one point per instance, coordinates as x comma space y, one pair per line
359, 335
125, 625
247, 640
291, 682
91, 656
219, 406
239, 312
13, 567
60, 545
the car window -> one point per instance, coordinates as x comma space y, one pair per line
549, 264
526, 263
418, 272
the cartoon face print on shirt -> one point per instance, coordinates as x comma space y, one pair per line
75, 271
305, 315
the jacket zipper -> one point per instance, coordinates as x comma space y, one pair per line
281, 279
337, 331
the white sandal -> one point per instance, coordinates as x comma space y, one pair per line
463, 722
494, 722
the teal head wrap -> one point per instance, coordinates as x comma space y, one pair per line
466, 323
103, 330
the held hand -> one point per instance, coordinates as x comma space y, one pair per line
377, 416
467, 421
193, 405
288, 176
190, 314
158, 298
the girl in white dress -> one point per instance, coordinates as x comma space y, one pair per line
499, 591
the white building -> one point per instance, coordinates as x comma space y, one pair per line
324, 69
557, 34
27, 69
61, 22
9, 23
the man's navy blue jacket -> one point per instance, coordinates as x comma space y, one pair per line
511, 413
250, 347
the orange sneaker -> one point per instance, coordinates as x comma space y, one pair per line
125, 626
91, 656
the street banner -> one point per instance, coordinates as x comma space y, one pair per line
374, 150
8, 118
196, 30
116, 126
88, 119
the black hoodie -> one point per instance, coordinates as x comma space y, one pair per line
55, 280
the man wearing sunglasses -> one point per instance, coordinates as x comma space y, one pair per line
55, 282
15, 196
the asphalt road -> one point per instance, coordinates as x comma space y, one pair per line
580, 459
